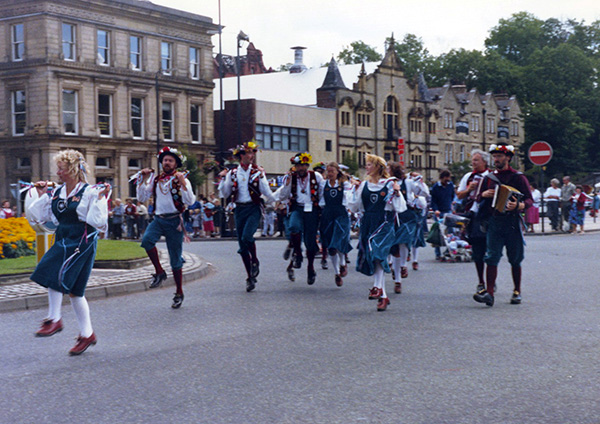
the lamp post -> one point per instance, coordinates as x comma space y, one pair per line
240, 37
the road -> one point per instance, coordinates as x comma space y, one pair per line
293, 353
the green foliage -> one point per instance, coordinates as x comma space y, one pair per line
413, 54
17, 249
459, 169
195, 176
351, 161
358, 52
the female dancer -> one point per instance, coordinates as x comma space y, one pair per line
81, 212
379, 199
335, 222
421, 192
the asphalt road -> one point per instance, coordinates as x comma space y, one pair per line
293, 353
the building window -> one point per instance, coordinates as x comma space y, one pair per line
70, 115
328, 145
449, 154
416, 161
135, 53
24, 163
432, 162
390, 117
69, 41
105, 114
416, 125
195, 123
134, 163
194, 63
167, 120
432, 127
345, 119
364, 119
514, 126
475, 123
103, 47
18, 42
103, 162
282, 138
461, 154
137, 117
491, 125
166, 58
448, 120
19, 112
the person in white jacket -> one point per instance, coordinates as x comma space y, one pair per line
80, 212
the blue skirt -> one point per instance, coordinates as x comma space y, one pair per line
335, 229
376, 239
406, 228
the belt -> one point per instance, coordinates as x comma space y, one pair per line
168, 215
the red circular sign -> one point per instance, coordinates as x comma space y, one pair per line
540, 153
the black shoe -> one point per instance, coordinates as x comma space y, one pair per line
250, 284
312, 276
480, 288
287, 252
297, 261
177, 301
255, 269
324, 264
157, 280
290, 272
516, 298
484, 297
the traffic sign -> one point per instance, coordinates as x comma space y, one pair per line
540, 153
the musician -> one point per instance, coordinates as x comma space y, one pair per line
504, 229
171, 192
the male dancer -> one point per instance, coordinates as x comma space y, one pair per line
302, 188
171, 192
468, 190
246, 183
503, 228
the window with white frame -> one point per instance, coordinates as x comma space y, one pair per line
19, 112
137, 117
195, 123
135, 52
105, 114
102, 162
103, 53
449, 154
448, 120
514, 128
18, 42
166, 57
70, 115
134, 163
461, 154
194, 63
475, 123
167, 120
69, 41
491, 125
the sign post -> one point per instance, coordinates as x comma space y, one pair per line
540, 154
401, 151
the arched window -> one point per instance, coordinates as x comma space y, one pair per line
390, 117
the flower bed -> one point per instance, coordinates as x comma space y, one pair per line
17, 238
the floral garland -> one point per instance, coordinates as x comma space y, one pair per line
251, 145
502, 148
302, 158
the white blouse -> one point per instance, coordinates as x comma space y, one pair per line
90, 210
398, 204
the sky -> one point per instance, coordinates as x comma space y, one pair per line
325, 27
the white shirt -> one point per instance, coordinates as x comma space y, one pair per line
90, 210
398, 204
551, 191
164, 199
536, 196
462, 186
284, 192
243, 193
346, 188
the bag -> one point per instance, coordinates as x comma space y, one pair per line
208, 212
435, 235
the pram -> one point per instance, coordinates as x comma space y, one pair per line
456, 247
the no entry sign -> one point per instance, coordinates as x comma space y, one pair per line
540, 153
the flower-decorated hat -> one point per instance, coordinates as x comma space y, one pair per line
319, 165
173, 152
502, 148
301, 159
243, 148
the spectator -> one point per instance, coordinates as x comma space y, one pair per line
577, 213
6, 211
142, 217
130, 219
207, 219
117, 213
552, 198
532, 214
566, 194
442, 196
269, 220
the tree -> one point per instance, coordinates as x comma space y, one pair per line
351, 161
413, 55
195, 175
518, 37
358, 52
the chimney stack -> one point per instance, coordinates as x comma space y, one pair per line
298, 65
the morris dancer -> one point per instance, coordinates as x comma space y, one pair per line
335, 222
379, 198
246, 183
81, 212
171, 192
302, 188
421, 192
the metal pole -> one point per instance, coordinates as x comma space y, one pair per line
239, 110
157, 113
221, 111
542, 201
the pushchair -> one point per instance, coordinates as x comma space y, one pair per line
455, 246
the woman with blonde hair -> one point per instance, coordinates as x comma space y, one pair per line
335, 222
81, 213
378, 199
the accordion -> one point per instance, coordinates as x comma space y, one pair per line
502, 195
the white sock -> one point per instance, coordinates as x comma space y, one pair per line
82, 312
342, 259
335, 262
379, 278
415, 254
396, 264
54, 304
403, 254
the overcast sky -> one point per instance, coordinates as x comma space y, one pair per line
325, 27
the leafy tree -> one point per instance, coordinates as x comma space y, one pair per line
195, 176
518, 37
284, 68
358, 52
351, 161
459, 169
413, 54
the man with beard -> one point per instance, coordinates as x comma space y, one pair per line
468, 190
246, 184
504, 229
171, 192
301, 187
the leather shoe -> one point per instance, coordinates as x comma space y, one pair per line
49, 328
484, 297
82, 344
177, 301
415, 266
250, 284
403, 272
324, 264
287, 252
375, 293
398, 288
516, 298
290, 273
255, 269
338, 280
343, 271
383, 304
157, 280
312, 276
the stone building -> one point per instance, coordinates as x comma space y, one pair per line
114, 79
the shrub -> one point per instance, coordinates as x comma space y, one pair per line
17, 238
